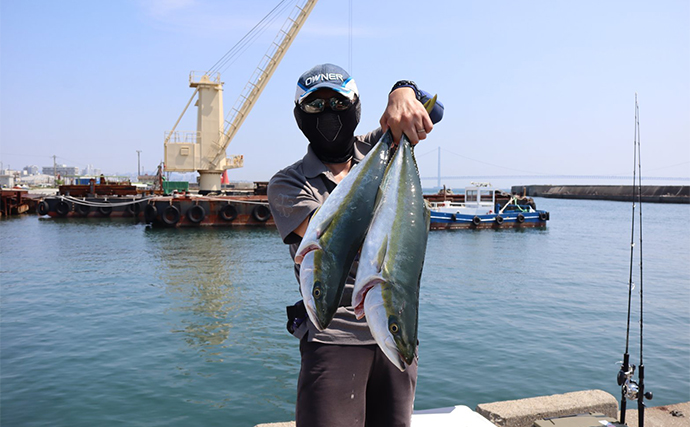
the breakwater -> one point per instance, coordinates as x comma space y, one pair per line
624, 193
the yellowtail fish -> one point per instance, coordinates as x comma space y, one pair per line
335, 234
390, 265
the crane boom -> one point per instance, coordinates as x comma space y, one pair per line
262, 74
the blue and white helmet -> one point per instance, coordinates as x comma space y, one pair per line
326, 76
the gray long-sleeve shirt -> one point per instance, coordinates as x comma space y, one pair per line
294, 193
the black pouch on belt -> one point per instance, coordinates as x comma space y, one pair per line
296, 315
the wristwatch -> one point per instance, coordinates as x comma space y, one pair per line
410, 84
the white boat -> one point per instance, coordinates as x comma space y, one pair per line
480, 209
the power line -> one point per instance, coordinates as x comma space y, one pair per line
424, 154
671, 166
248, 39
486, 163
532, 174
349, 58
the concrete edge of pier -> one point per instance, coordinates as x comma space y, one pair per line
676, 415
524, 412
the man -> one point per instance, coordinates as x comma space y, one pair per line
345, 379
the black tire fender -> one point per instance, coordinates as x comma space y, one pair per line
476, 220
499, 219
228, 212
520, 218
43, 208
261, 213
171, 215
82, 210
196, 214
62, 208
150, 213
105, 210
134, 209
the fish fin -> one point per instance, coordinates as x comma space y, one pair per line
358, 298
325, 224
427, 216
387, 138
429, 105
414, 160
359, 310
370, 281
405, 140
299, 256
379, 196
381, 255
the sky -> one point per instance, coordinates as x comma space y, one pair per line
535, 92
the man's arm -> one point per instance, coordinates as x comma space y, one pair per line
291, 204
302, 228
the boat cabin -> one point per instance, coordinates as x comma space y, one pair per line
480, 199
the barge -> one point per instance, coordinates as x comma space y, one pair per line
14, 201
97, 199
66, 206
159, 206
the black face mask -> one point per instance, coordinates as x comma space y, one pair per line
330, 133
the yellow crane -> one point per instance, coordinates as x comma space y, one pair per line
203, 150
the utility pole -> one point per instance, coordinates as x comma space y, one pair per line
54, 170
138, 164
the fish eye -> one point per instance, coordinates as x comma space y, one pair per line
317, 292
394, 328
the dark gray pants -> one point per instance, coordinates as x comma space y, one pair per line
352, 386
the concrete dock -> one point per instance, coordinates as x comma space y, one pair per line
524, 412
677, 415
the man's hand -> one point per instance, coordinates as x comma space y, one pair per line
404, 114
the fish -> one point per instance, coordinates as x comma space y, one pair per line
335, 234
392, 258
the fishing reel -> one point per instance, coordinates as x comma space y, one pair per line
631, 388
625, 380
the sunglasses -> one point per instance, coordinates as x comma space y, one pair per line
337, 103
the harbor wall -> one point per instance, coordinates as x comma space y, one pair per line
623, 193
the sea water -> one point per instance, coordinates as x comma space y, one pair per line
107, 322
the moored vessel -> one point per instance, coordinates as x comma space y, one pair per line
485, 207
97, 199
163, 206
14, 201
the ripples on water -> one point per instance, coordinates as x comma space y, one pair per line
105, 322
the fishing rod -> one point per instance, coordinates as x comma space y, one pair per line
631, 389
